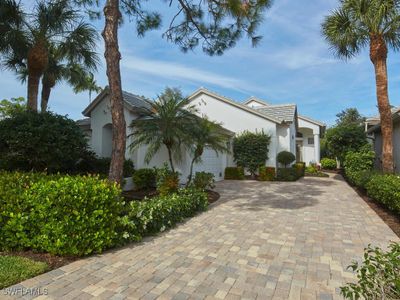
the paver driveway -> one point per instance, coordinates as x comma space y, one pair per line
261, 240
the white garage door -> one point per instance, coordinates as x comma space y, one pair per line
211, 163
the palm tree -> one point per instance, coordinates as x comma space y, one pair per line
34, 43
357, 24
168, 122
83, 81
207, 134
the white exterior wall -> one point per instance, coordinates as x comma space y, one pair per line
237, 120
309, 150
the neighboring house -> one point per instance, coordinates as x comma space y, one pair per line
289, 131
373, 129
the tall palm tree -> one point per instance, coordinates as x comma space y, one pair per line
167, 121
207, 134
374, 23
29, 39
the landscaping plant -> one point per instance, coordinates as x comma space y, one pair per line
357, 165
250, 150
285, 158
378, 276
203, 181
167, 180
328, 163
385, 189
266, 173
144, 179
234, 173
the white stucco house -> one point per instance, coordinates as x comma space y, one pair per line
289, 131
373, 129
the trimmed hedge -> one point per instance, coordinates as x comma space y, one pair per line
234, 173
144, 179
300, 168
357, 164
385, 189
287, 174
162, 212
266, 173
285, 158
59, 214
328, 163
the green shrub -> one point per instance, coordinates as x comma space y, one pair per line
266, 173
356, 162
167, 181
162, 212
328, 163
234, 173
301, 168
378, 276
311, 169
65, 215
203, 180
287, 174
40, 142
144, 179
386, 190
250, 150
286, 158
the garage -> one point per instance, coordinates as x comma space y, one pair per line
212, 162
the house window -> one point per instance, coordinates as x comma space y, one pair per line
311, 141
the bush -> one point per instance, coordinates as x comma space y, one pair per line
386, 190
301, 169
162, 212
250, 150
266, 173
328, 163
65, 215
234, 173
286, 158
287, 174
40, 142
144, 179
378, 276
203, 180
356, 163
167, 181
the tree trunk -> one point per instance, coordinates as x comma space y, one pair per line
113, 57
378, 56
46, 90
171, 163
191, 172
33, 90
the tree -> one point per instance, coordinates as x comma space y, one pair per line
353, 26
216, 25
10, 107
168, 121
345, 138
250, 150
285, 158
350, 116
33, 43
206, 134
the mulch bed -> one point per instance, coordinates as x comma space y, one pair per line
213, 196
52, 261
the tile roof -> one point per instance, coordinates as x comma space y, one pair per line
282, 112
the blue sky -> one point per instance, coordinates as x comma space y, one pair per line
292, 64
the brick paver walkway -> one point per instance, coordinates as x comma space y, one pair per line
260, 241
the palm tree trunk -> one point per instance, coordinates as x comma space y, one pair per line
33, 90
113, 57
171, 162
378, 55
191, 172
46, 90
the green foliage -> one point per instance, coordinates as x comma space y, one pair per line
234, 173
285, 158
266, 173
162, 212
14, 269
40, 141
203, 181
65, 215
250, 150
378, 276
10, 107
287, 174
91, 164
328, 163
144, 179
345, 138
301, 168
357, 166
350, 116
385, 189
167, 181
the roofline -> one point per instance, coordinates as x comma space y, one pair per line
233, 103
311, 121
93, 104
255, 99
375, 128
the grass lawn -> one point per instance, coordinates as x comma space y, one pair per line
14, 269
